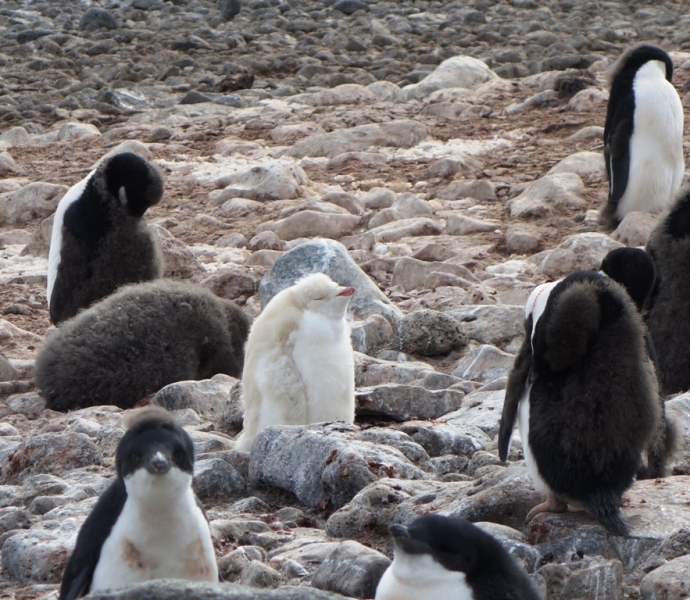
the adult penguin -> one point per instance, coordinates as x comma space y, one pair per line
643, 135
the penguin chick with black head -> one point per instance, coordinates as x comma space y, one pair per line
634, 269
299, 365
668, 317
148, 524
100, 240
451, 559
139, 340
643, 135
585, 395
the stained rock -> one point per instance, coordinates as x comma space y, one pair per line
430, 333
33, 201
410, 273
276, 180
329, 257
486, 363
371, 335
669, 582
635, 228
322, 464
557, 191
352, 570
481, 409
310, 223
208, 398
579, 251
496, 325
440, 439
404, 402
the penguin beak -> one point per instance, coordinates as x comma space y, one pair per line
399, 531
348, 291
158, 464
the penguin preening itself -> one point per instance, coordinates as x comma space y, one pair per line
634, 269
100, 240
585, 395
668, 317
139, 340
643, 135
148, 524
451, 559
299, 365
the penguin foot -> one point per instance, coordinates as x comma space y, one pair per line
552, 504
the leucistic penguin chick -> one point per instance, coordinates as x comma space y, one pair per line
643, 135
148, 524
139, 340
299, 365
100, 240
668, 317
634, 269
585, 395
451, 559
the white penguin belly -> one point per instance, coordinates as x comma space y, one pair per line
523, 427
656, 146
165, 544
72, 195
323, 356
420, 577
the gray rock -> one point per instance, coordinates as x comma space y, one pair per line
216, 479
378, 197
7, 371
208, 398
178, 260
399, 134
331, 258
404, 402
15, 136
481, 409
485, 364
310, 223
259, 575
322, 464
347, 201
430, 333
588, 165
462, 225
8, 167
233, 282
635, 228
229, 8
347, 93
95, 18
480, 189
176, 589
579, 251
77, 131
33, 201
600, 578
278, 180
521, 240
669, 582
371, 335
397, 230
588, 100
384, 90
551, 192
352, 570
441, 439
496, 325
410, 273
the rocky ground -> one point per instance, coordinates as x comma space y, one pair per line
455, 186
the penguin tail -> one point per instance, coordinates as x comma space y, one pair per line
604, 506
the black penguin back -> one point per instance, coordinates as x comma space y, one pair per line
594, 400
105, 241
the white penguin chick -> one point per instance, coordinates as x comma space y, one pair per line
299, 365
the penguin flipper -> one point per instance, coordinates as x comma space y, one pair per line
617, 155
515, 388
604, 506
76, 580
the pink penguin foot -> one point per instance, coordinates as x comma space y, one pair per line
552, 504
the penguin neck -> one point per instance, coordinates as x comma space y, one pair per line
159, 496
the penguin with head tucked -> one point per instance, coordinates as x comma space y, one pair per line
138, 340
148, 524
299, 366
452, 559
100, 240
643, 135
585, 395
668, 317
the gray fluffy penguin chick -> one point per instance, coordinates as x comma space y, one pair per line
668, 317
148, 524
139, 340
299, 365
100, 240
643, 135
445, 558
585, 396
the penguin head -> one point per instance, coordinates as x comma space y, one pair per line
653, 59
133, 181
677, 223
155, 457
634, 269
318, 293
434, 541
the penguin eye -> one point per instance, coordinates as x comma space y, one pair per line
135, 459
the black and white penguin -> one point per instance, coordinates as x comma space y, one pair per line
643, 135
452, 559
139, 340
668, 316
148, 524
634, 269
100, 240
585, 395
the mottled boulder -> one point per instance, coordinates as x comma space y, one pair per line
311, 223
277, 180
580, 251
496, 325
411, 273
430, 333
588, 165
482, 409
484, 364
551, 193
403, 402
669, 582
95, 18
329, 257
440, 439
322, 463
33, 201
216, 479
208, 398
635, 228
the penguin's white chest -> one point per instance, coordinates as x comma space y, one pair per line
325, 362
420, 577
523, 427
149, 542
656, 145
